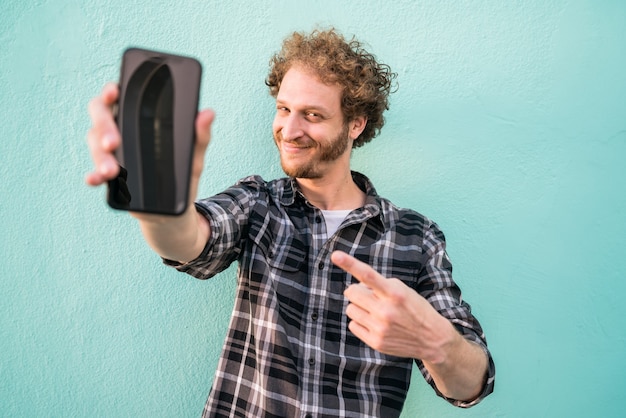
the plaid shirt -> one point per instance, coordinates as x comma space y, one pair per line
288, 352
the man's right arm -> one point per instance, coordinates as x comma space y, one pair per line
181, 238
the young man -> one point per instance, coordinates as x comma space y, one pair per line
339, 291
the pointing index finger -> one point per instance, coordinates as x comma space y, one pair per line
363, 272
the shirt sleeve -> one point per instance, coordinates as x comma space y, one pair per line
435, 283
228, 214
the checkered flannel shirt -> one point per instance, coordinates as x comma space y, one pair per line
288, 351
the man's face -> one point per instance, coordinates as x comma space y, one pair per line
309, 127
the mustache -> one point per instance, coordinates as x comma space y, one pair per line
278, 137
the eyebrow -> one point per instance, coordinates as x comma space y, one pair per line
305, 107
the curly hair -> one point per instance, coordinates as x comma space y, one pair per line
366, 83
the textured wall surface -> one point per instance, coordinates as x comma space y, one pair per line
508, 129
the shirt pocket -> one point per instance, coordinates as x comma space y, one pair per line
287, 254
398, 266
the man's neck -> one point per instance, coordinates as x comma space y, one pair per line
335, 192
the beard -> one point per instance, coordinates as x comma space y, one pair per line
326, 153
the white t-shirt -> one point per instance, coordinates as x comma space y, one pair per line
333, 219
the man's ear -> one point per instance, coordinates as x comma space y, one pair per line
356, 126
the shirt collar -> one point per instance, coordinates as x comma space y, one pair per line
291, 190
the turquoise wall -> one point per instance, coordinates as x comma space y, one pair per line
508, 129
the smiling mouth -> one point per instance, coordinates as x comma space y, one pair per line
293, 146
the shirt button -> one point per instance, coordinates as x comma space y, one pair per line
311, 361
314, 316
318, 219
308, 416
321, 266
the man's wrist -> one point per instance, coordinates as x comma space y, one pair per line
449, 343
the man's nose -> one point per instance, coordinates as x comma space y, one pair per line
292, 128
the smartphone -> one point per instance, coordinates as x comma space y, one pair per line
156, 113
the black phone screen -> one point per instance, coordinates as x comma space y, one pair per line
157, 107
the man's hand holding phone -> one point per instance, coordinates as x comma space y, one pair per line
180, 238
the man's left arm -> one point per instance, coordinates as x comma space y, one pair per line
394, 319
